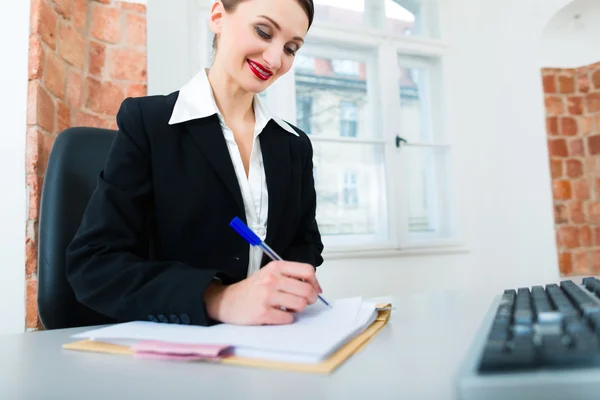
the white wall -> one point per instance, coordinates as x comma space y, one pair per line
14, 29
501, 161
571, 38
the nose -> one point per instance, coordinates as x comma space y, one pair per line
272, 57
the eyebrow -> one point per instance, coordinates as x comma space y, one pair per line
279, 27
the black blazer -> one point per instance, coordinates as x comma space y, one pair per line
156, 230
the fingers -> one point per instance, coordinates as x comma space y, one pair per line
298, 288
277, 317
296, 270
288, 301
302, 271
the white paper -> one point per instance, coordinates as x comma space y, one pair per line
316, 332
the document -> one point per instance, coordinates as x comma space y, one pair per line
314, 335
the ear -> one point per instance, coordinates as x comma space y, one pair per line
215, 18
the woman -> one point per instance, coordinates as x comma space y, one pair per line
155, 242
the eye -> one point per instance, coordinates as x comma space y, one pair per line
262, 33
290, 51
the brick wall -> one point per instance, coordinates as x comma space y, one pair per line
572, 98
85, 57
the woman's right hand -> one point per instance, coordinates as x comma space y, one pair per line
268, 297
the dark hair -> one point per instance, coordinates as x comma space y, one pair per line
307, 5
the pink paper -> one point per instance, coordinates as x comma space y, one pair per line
178, 351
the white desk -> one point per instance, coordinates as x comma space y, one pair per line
416, 356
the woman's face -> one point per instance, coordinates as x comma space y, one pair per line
257, 41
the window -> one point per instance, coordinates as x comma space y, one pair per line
348, 119
350, 190
370, 93
400, 17
304, 113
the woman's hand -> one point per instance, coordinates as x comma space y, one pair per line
259, 299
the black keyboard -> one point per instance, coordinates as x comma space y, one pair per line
551, 327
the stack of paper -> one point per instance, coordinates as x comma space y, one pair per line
316, 333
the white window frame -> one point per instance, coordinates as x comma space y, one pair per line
384, 49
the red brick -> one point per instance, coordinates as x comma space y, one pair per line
568, 126
63, 7
30, 257
568, 236
36, 57
561, 189
90, 120
561, 214
128, 65
586, 125
594, 144
592, 166
137, 90
576, 148
556, 168
574, 168
74, 89
63, 117
554, 105
576, 212
596, 79
581, 189
103, 97
97, 58
594, 213
585, 236
558, 148
597, 189
565, 262
55, 75
575, 105
596, 128
552, 126
40, 107
595, 256
31, 309
581, 263
72, 46
44, 22
34, 187
106, 24
566, 84
596, 236
79, 14
593, 102
137, 7
549, 83
103, 1
38, 147
32, 149
136, 30
583, 83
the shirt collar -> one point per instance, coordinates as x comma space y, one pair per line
196, 100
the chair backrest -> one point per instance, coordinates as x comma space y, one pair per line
77, 157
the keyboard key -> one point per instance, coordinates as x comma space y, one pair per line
555, 326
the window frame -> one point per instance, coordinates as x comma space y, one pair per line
383, 49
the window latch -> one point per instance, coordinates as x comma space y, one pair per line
399, 141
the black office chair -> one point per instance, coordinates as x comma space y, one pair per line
76, 158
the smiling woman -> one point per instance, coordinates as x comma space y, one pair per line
263, 34
183, 166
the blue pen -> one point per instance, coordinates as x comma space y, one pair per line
245, 232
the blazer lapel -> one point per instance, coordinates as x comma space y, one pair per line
208, 135
275, 146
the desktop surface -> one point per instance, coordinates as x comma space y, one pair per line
421, 353
414, 356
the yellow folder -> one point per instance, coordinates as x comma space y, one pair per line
325, 367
